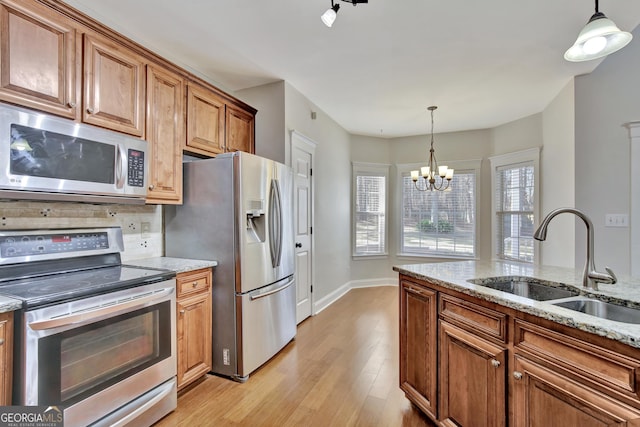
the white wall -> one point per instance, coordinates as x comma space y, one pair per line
332, 191
604, 100
270, 130
557, 179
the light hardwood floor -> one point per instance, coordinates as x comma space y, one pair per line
341, 370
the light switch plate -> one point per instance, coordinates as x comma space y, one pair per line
616, 220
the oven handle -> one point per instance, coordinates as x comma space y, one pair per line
75, 318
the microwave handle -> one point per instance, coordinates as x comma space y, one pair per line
121, 165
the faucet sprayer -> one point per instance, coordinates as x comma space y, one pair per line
590, 276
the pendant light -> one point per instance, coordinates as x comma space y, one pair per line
432, 172
598, 38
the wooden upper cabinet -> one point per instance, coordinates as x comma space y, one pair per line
205, 122
39, 59
114, 86
165, 135
240, 130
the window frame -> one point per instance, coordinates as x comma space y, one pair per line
529, 156
369, 169
466, 166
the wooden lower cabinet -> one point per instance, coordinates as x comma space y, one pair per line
6, 357
472, 379
497, 366
193, 325
418, 345
544, 398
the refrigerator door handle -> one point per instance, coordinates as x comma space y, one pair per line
275, 224
273, 291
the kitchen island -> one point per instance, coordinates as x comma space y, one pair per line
471, 355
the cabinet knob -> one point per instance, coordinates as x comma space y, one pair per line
495, 363
517, 375
1, 341
181, 311
71, 104
194, 284
151, 186
90, 110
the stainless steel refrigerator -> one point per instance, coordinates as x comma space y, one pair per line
238, 211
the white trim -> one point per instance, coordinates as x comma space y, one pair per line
634, 198
525, 156
461, 165
354, 284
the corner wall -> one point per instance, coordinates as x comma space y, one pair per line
605, 100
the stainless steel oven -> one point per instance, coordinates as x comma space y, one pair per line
94, 336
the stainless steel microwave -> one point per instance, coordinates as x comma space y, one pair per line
50, 158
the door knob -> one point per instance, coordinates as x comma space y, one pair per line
298, 245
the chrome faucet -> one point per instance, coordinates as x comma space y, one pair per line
590, 276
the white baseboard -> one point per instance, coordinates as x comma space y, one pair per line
334, 296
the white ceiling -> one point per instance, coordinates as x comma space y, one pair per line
375, 72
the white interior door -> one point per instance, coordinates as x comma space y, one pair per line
302, 151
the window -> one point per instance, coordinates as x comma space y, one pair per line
440, 223
370, 208
515, 204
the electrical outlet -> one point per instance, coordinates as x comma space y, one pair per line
145, 230
616, 220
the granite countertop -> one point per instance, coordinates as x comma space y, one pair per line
9, 304
455, 276
179, 265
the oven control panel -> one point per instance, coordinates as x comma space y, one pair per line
25, 246
28, 245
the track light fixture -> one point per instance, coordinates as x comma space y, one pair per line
598, 38
331, 14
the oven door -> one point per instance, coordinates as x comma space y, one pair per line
95, 355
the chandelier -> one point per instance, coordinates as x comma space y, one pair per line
435, 177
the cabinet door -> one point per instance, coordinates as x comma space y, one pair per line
472, 379
240, 130
6, 357
418, 341
194, 337
114, 86
544, 398
39, 60
165, 135
205, 122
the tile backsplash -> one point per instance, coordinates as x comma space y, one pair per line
141, 225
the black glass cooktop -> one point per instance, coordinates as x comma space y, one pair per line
66, 286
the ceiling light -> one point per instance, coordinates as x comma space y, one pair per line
598, 38
331, 14
432, 171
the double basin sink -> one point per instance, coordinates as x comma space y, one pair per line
562, 296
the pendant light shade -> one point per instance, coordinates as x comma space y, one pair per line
330, 15
598, 38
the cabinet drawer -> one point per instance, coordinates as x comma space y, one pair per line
473, 318
583, 361
193, 282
